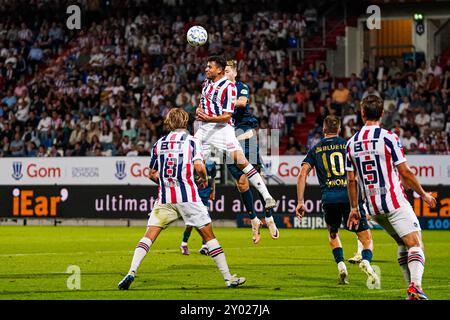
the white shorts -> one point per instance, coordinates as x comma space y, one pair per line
400, 222
219, 136
194, 214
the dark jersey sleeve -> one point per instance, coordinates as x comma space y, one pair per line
310, 157
243, 91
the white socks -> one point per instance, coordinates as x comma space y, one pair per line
416, 263
216, 252
402, 258
255, 180
360, 246
139, 254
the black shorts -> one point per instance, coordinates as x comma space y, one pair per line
337, 214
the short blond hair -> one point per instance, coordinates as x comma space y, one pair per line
176, 119
232, 64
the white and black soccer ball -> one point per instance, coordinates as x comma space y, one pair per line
197, 36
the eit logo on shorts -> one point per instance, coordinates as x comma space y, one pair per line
230, 145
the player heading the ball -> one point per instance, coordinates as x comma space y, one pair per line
215, 112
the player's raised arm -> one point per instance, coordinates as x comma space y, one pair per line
301, 184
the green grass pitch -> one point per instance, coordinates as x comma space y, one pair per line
299, 265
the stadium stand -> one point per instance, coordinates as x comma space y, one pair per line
104, 90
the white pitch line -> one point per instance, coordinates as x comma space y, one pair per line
155, 250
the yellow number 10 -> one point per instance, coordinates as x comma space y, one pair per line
333, 157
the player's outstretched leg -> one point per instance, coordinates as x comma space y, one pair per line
247, 198
217, 254
365, 237
357, 258
253, 177
186, 234
274, 233
140, 252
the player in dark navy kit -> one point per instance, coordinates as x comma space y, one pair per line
206, 193
245, 123
328, 157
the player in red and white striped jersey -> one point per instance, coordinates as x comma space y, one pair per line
173, 161
377, 164
173, 156
215, 131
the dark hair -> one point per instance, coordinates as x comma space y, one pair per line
373, 107
331, 124
219, 61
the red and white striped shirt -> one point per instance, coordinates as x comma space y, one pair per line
173, 156
218, 97
374, 153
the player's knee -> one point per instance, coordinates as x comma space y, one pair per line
412, 240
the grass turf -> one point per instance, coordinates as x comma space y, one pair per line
299, 265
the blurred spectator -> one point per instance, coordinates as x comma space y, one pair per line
293, 147
423, 120
276, 119
389, 117
407, 139
341, 98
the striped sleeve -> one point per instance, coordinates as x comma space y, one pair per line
196, 150
154, 157
230, 98
348, 159
395, 146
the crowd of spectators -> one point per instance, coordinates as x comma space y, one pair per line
105, 90
417, 103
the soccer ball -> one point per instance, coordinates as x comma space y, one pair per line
197, 36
